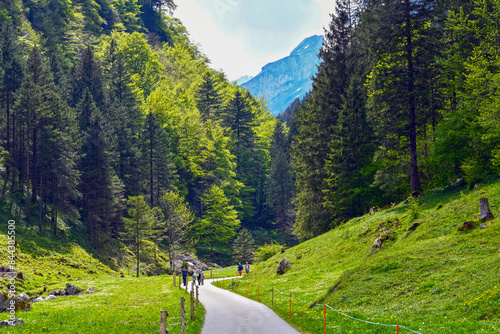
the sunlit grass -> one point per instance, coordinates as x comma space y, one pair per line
120, 305
435, 279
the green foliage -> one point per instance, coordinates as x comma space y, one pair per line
263, 253
138, 226
438, 296
279, 185
82, 314
175, 222
243, 246
219, 221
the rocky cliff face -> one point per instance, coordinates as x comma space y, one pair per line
283, 81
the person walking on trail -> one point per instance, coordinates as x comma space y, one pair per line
199, 272
202, 278
194, 278
184, 275
247, 268
240, 268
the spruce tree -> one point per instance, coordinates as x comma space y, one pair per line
209, 96
279, 185
97, 176
239, 118
160, 173
350, 173
403, 37
243, 246
315, 122
138, 226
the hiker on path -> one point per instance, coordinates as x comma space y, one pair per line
247, 268
202, 278
194, 278
184, 275
240, 268
199, 272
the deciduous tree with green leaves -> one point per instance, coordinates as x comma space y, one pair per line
175, 222
138, 224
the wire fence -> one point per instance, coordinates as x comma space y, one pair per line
224, 282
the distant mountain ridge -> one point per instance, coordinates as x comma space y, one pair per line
287, 79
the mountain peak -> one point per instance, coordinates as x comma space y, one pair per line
310, 43
289, 78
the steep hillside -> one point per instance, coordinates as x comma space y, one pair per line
427, 275
287, 79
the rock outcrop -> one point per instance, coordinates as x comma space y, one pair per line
283, 266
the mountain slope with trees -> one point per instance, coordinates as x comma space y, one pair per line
404, 101
111, 118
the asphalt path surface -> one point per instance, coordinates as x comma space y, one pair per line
229, 313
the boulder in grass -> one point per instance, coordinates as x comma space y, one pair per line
36, 300
21, 302
11, 323
89, 290
49, 297
72, 290
57, 292
283, 266
468, 225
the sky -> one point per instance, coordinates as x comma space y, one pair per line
241, 36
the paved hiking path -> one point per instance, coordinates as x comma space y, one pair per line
229, 313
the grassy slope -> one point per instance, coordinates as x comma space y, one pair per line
435, 279
120, 305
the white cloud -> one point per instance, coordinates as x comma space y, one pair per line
241, 36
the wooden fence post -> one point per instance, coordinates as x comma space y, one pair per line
187, 284
192, 304
183, 319
324, 315
197, 296
174, 277
163, 322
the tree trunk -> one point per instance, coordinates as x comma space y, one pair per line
27, 179
34, 162
138, 249
151, 139
40, 222
414, 177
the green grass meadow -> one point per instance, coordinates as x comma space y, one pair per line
433, 279
120, 305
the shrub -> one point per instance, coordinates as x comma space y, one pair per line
267, 251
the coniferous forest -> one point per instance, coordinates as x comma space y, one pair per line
113, 123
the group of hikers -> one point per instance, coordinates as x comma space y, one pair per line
200, 276
240, 268
196, 274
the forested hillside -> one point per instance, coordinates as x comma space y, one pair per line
405, 100
112, 123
